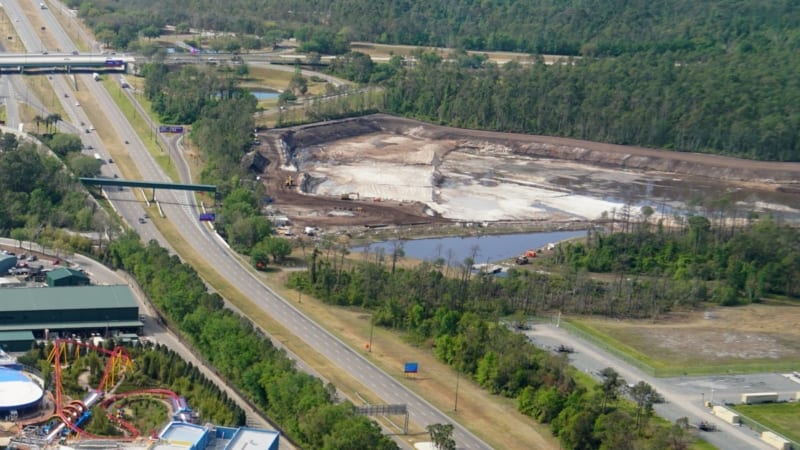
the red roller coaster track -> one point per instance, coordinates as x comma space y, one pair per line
118, 362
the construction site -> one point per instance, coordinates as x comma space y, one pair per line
36, 414
379, 170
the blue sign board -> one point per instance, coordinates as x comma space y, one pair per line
170, 129
411, 367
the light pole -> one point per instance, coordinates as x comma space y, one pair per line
371, 328
458, 378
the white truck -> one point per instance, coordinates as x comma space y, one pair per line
96, 76
98, 157
42, 6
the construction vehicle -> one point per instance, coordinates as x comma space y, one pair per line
289, 181
350, 196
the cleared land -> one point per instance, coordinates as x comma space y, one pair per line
755, 338
381, 170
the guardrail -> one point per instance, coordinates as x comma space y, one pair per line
646, 368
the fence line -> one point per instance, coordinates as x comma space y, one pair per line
760, 428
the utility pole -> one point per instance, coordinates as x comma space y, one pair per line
458, 378
371, 328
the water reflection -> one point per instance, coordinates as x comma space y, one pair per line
481, 249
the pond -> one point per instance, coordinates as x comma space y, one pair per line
265, 95
489, 248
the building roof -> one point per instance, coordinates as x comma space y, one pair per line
8, 336
54, 326
252, 438
64, 272
17, 390
181, 433
66, 298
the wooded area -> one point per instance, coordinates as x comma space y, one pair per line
586, 27
716, 77
39, 197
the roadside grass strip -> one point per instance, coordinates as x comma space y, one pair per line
780, 418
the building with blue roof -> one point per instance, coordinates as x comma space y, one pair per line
183, 435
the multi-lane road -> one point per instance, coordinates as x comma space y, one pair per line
180, 208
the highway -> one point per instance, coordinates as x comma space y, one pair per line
180, 208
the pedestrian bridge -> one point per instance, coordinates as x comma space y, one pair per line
64, 62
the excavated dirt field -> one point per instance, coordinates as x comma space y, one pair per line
380, 170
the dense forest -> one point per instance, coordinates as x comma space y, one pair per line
584, 27
714, 77
40, 197
306, 410
743, 105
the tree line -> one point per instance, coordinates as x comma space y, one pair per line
456, 313
724, 265
306, 409
713, 77
591, 27
727, 103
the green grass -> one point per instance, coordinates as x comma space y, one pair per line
700, 444
782, 418
147, 134
666, 367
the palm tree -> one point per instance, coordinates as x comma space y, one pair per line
51, 120
38, 120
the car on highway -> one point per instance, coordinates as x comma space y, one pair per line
142, 220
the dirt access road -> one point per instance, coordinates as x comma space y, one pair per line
380, 170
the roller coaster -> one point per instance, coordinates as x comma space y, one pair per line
72, 415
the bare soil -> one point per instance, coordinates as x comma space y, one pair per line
721, 336
397, 172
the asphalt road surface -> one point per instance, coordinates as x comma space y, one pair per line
180, 208
684, 395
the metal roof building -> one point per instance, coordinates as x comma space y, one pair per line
78, 308
16, 341
67, 277
252, 438
7, 262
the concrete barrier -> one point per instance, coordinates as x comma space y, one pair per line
776, 441
759, 397
726, 414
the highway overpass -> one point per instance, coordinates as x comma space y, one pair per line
63, 62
